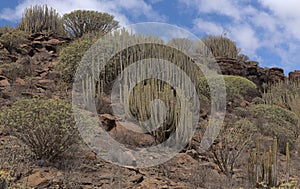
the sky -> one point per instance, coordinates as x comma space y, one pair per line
268, 31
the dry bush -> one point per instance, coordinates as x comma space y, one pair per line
13, 70
12, 39
45, 126
232, 140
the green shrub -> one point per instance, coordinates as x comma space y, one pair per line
79, 22
273, 121
236, 87
285, 94
71, 55
46, 126
41, 18
12, 39
258, 100
4, 55
13, 70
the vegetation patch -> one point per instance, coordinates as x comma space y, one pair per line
45, 126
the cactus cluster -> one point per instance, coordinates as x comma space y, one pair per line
220, 46
263, 167
146, 91
41, 19
285, 94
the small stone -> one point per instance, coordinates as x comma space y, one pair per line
4, 83
20, 81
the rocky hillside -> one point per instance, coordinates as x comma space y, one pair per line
29, 70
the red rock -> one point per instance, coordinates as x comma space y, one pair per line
126, 132
244, 103
295, 75
91, 156
45, 81
35, 180
20, 81
53, 42
4, 83
43, 75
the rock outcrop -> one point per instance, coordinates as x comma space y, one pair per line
31, 71
249, 70
294, 75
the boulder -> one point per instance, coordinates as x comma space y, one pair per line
125, 132
4, 83
20, 81
35, 180
53, 42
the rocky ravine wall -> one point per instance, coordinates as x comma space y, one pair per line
40, 53
249, 70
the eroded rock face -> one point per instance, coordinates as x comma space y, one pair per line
249, 70
295, 75
275, 74
29, 70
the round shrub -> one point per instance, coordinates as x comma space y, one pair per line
45, 126
273, 121
239, 87
71, 55
258, 100
79, 22
12, 39
236, 87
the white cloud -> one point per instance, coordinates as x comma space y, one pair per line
209, 28
246, 37
286, 13
222, 7
138, 8
270, 24
114, 7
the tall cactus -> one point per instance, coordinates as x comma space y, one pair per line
263, 170
40, 18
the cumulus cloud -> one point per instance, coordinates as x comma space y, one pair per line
222, 7
114, 7
267, 24
246, 37
207, 27
286, 13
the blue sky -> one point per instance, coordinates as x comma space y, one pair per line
268, 31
